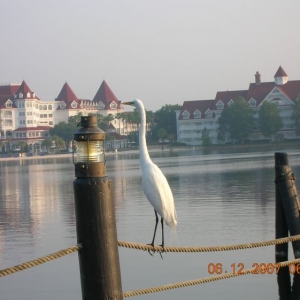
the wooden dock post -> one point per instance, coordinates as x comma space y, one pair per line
95, 217
287, 220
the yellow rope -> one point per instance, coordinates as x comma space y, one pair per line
144, 247
199, 281
39, 261
208, 248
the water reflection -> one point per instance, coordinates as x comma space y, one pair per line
221, 198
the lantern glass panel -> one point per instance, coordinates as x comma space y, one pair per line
90, 151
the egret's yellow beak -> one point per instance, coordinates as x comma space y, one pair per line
127, 103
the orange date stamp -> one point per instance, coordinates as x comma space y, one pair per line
258, 268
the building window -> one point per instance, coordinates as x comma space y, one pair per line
100, 105
8, 123
7, 114
185, 115
113, 105
49, 107
220, 105
8, 104
62, 105
44, 107
208, 113
252, 103
197, 114
74, 104
230, 103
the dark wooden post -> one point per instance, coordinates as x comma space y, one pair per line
96, 231
95, 217
287, 219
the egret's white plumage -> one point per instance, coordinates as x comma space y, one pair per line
155, 184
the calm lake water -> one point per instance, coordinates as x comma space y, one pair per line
221, 198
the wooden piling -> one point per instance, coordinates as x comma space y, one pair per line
287, 220
96, 231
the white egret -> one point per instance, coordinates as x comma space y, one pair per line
154, 183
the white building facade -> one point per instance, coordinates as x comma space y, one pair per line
26, 118
196, 115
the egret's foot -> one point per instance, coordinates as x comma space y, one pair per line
151, 252
162, 251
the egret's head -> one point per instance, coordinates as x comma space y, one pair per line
136, 102
128, 103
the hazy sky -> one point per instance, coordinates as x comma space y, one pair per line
161, 51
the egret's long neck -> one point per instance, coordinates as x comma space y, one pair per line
144, 155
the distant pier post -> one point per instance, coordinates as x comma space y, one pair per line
95, 216
287, 220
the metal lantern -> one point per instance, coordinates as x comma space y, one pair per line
88, 149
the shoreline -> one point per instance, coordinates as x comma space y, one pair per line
155, 148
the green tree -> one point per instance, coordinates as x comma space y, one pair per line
237, 120
22, 146
206, 141
47, 144
269, 119
296, 115
162, 134
59, 142
166, 118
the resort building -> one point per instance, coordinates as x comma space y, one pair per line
196, 115
24, 117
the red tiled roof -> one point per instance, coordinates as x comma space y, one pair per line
192, 106
291, 89
106, 96
24, 89
68, 96
226, 96
8, 90
259, 91
280, 73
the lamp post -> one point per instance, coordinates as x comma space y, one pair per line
95, 216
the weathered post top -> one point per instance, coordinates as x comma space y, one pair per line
281, 159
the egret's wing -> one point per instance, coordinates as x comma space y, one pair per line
158, 192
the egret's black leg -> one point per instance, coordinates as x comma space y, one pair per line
156, 222
163, 238
162, 234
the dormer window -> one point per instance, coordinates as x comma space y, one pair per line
197, 114
28, 95
74, 104
230, 103
208, 114
20, 95
62, 105
277, 101
220, 105
113, 105
185, 115
252, 103
100, 105
8, 104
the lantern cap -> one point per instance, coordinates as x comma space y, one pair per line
89, 130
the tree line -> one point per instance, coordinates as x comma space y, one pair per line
160, 125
